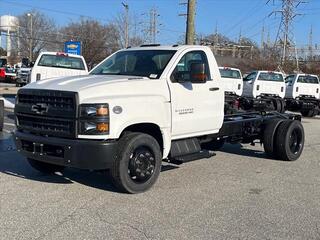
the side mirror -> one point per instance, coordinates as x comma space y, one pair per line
31, 64
198, 73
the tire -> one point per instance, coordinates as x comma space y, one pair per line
277, 105
45, 167
213, 145
138, 163
269, 137
308, 113
289, 140
1, 114
283, 106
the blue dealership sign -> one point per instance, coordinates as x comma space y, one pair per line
72, 47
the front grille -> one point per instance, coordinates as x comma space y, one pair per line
47, 112
58, 103
46, 126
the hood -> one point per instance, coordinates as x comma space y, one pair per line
95, 87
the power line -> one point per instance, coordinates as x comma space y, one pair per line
54, 10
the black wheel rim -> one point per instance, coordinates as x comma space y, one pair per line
295, 141
141, 165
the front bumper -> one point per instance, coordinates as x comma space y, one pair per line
82, 154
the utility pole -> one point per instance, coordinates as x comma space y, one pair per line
126, 23
285, 36
310, 43
240, 37
262, 37
190, 22
216, 36
30, 39
153, 24
191, 10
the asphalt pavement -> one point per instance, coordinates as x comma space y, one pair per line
238, 194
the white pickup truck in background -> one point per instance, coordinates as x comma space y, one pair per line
232, 83
58, 64
302, 94
136, 108
263, 90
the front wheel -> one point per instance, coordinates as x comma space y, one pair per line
45, 167
137, 164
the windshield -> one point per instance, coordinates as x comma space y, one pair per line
229, 73
61, 61
308, 79
145, 63
3, 62
271, 76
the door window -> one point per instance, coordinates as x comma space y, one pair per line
290, 79
183, 69
252, 76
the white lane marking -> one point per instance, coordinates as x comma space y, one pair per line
10, 124
7, 131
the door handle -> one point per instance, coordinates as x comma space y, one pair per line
214, 89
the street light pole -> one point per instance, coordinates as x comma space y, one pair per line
30, 39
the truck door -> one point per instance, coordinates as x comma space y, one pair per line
197, 107
248, 83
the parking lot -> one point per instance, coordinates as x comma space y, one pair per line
238, 194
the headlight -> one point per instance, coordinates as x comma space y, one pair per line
94, 119
92, 110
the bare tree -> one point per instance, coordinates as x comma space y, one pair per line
3, 52
37, 32
97, 40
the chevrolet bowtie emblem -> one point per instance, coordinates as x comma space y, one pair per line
40, 108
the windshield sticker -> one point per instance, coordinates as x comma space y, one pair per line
153, 76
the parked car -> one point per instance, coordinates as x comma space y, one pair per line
10, 75
57, 64
23, 76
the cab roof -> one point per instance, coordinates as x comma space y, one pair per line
175, 47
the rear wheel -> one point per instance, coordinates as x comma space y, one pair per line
277, 105
45, 167
308, 113
289, 140
283, 106
138, 163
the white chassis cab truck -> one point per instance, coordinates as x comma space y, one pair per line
302, 94
136, 108
263, 90
232, 84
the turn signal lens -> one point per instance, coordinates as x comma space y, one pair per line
102, 111
102, 127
